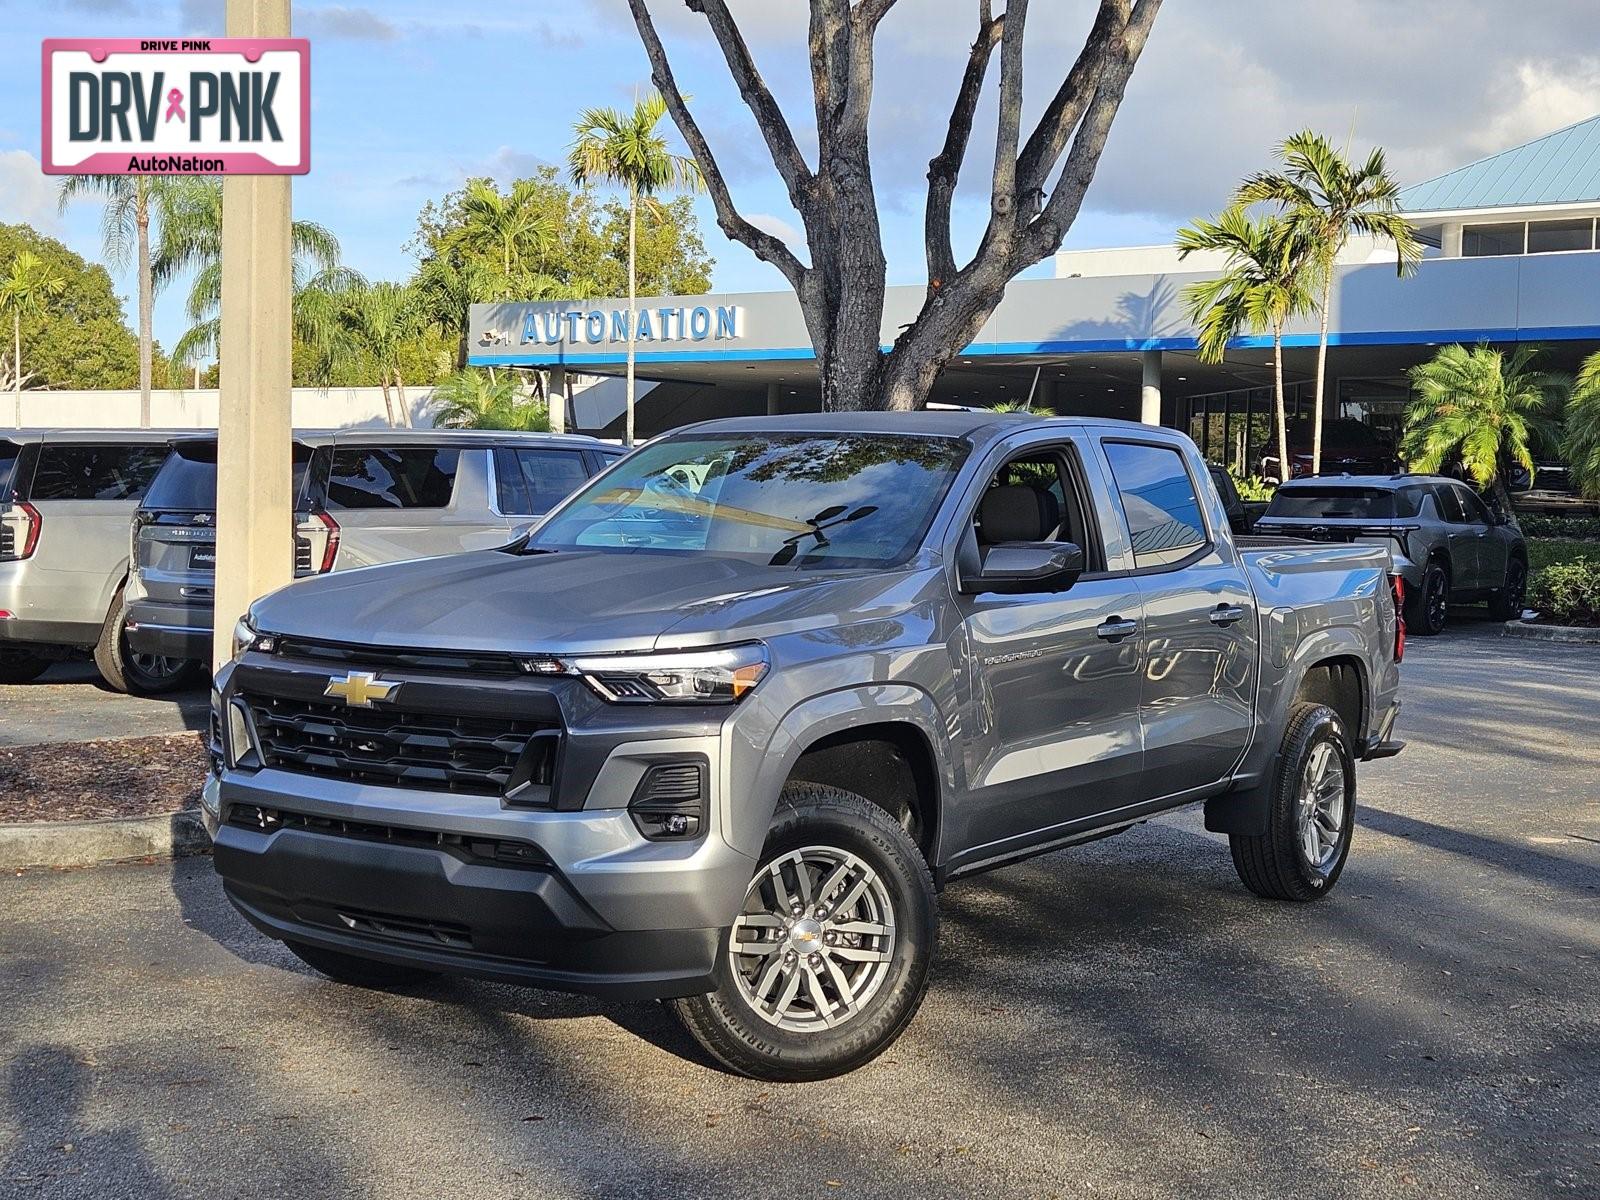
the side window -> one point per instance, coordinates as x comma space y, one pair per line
1033, 498
532, 482
1475, 510
1449, 502
1159, 500
95, 472
1408, 502
401, 477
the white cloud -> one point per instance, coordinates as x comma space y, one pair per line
777, 227
341, 21
26, 192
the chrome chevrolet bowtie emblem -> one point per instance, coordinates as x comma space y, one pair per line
360, 689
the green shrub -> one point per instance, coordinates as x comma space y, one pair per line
1542, 552
1567, 593
1551, 525
1253, 487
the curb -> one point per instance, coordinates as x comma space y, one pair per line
1552, 633
110, 839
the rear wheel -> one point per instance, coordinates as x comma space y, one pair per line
1427, 606
1311, 812
21, 666
138, 674
1506, 603
358, 971
828, 959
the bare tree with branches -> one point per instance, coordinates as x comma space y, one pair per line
1035, 191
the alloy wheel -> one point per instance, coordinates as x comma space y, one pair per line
1438, 600
1516, 590
157, 667
814, 941
1321, 810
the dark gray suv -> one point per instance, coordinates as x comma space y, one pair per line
1447, 545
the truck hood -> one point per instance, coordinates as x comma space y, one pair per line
575, 601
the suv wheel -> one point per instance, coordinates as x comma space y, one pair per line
1426, 607
1311, 813
828, 959
1506, 603
138, 674
21, 666
358, 971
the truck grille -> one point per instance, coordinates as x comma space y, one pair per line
476, 755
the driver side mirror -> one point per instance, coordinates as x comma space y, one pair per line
1026, 567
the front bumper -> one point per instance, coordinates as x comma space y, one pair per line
172, 630
412, 877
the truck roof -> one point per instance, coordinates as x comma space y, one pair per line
402, 437
1363, 481
945, 422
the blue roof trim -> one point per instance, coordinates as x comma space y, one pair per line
1562, 167
1409, 337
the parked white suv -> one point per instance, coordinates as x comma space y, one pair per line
362, 497
66, 497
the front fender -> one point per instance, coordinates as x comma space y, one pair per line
749, 814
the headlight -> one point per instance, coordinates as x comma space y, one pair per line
247, 637
675, 677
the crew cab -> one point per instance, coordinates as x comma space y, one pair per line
721, 727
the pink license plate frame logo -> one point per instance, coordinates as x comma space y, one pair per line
175, 159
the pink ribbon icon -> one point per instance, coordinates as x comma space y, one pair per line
174, 106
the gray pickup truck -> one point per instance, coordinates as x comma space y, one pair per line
721, 727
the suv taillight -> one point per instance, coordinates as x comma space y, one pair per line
1397, 588
317, 547
19, 531
140, 520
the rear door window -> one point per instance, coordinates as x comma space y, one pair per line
120, 472
1449, 502
393, 477
1159, 501
1334, 503
531, 482
10, 452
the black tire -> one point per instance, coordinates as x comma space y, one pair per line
1427, 606
137, 674
1506, 603
818, 821
357, 971
1278, 864
21, 666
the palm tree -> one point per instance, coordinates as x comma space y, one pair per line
1477, 407
375, 321
1266, 279
25, 290
512, 227
191, 240
625, 149
1580, 444
1328, 199
474, 399
131, 203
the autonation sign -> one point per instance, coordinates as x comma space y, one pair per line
605, 326
170, 106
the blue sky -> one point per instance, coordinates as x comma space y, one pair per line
411, 98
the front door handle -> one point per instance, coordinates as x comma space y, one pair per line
1227, 614
1114, 629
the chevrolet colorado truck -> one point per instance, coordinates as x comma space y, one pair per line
719, 728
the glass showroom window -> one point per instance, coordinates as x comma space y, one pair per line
1545, 237
1479, 241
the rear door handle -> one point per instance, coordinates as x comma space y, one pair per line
1227, 614
1115, 629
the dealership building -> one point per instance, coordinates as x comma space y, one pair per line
1510, 258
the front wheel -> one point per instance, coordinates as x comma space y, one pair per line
828, 959
1311, 812
1506, 603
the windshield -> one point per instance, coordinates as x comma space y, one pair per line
837, 500
187, 481
1333, 502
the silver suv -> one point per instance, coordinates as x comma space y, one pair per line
65, 500
362, 497
1447, 544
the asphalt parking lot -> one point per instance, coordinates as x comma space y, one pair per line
70, 703
1118, 1020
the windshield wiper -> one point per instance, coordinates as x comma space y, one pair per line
829, 518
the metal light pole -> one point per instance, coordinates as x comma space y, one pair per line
255, 548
